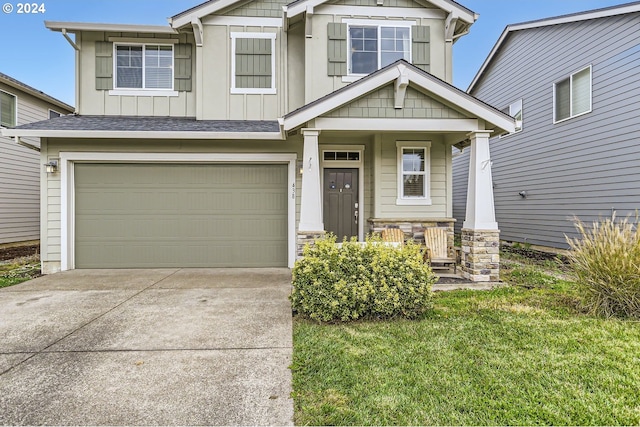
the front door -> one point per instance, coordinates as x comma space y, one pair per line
341, 202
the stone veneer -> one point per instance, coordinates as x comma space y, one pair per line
481, 255
305, 237
413, 228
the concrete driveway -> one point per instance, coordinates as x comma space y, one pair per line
147, 347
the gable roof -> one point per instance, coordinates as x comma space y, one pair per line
557, 20
299, 6
437, 88
10, 81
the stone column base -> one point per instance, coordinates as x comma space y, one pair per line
305, 237
481, 255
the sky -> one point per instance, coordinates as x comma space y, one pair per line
44, 59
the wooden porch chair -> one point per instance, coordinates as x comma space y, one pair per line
393, 235
435, 239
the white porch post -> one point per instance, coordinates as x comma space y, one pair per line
310, 200
480, 234
480, 208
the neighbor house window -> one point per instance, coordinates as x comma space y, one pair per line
7, 110
375, 46
53, 114
144, 66
413, 173
572, 96
253, 63
515, 111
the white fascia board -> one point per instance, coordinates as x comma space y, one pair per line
565, 19
459, 11
356, 90
38, 133
464, 101
199, 12
401, 125
73, 27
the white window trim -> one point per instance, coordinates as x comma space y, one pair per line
571, 115
521, 124
16, 108
351, 77
414, 201
262, 91
142, 91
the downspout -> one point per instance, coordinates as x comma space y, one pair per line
77, 52
26, 144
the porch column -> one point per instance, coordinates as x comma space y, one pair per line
311, 225
480, 234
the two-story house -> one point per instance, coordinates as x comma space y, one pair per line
20, 164
244, 129
575, 95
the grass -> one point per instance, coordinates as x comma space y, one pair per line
520, 354
19, 270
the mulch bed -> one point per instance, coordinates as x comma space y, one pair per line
18, 252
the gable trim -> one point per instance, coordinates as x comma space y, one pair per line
563, 19
388, 75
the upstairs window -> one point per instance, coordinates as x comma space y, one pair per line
7, 110
375, 46
572, 96
53, 114
253, 64
144, 67
515, 111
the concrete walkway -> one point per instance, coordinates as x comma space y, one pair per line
147, 347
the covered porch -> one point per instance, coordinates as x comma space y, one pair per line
377, 154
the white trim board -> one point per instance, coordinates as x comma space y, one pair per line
67, 187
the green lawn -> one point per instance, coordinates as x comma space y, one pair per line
19, 271
517, 355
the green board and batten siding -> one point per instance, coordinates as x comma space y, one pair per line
180, 215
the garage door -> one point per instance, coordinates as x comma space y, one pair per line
159, 215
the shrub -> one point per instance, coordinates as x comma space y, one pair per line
361, 281
606, 262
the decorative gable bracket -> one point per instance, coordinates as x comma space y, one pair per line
198, 31
402, 81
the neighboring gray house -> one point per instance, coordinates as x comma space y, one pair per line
20, 165
573, 84
242, 130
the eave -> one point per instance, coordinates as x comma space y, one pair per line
101, 134
74, 27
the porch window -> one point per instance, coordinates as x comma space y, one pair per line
376, 46
7, 110
144, 67
413, 173
572, 96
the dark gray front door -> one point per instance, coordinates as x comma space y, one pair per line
341, 202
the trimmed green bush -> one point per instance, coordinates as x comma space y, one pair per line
606, 261
361, 281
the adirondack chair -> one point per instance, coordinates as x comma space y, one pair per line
435, 239
393, 235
